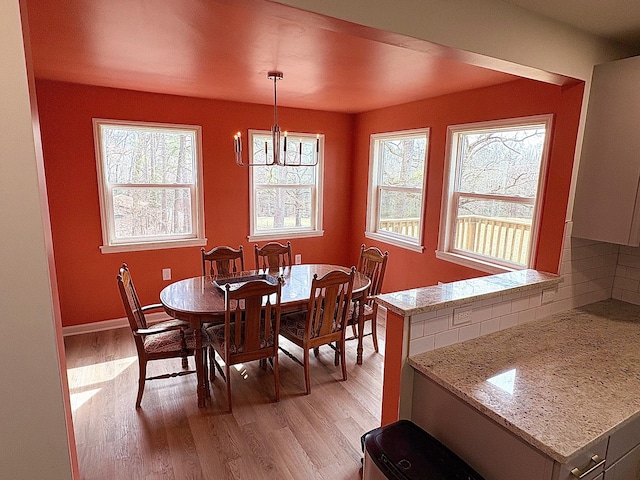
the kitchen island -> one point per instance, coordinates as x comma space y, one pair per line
540, 399
425, 318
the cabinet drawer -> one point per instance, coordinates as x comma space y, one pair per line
622, 441
628, 467
584, 462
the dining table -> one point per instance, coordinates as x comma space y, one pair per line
201, 300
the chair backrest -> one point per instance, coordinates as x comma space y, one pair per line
222, 261
273, 255
329, 303
372, 264
130, 299
252, 319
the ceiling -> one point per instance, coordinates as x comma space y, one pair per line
223, 49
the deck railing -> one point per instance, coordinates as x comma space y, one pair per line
508, 239
401, 226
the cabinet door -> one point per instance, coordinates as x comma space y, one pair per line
605, 207
585, 462
627, 468
623, 441
490, 449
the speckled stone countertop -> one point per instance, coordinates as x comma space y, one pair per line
560, 383
426, 299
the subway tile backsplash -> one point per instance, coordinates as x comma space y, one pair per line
591, 271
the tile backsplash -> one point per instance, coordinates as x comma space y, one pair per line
626, 284
591, 271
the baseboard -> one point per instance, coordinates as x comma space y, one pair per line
110, 324
151, 319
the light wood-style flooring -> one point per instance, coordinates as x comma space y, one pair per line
314, 436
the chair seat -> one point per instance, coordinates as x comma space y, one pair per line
216, 337
170, 341
293, 324
368, 312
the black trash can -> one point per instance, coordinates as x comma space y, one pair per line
404, 451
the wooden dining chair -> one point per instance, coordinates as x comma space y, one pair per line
273, 255
250, 330
222, 261
168, 339
372, 263
325, 320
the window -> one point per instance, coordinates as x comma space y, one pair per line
150, 184
491, 198
397, 185
286, 202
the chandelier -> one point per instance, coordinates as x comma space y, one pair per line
281, 156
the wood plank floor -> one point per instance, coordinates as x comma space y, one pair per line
314, 436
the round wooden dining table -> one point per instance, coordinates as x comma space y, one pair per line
200, 300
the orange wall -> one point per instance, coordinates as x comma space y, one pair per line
407, 269
87, 278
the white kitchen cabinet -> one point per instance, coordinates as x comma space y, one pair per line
498, 454
623, 454
628, 467
607, 202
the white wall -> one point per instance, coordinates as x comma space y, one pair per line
33, 438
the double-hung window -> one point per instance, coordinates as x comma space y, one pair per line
492, 195
150, 185
286, 201
397, 187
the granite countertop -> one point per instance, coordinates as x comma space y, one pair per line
426, 299
561, 383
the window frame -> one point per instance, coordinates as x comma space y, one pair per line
110, 243
315, 230
374, 189
446, 236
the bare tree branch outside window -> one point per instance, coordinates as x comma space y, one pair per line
284, 196
150, 173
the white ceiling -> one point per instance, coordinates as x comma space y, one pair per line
618, 20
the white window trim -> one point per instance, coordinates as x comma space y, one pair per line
106, 206
317, 196
487, 264
373, 197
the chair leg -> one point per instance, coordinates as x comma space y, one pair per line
276, 376
212, 367
226, 368
374, 332
307, 379
142, 369
359, 349
316, 351
185, 362
336, 360
343, 358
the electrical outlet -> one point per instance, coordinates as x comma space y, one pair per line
549, 295
462, 315
166, 274
298, 259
